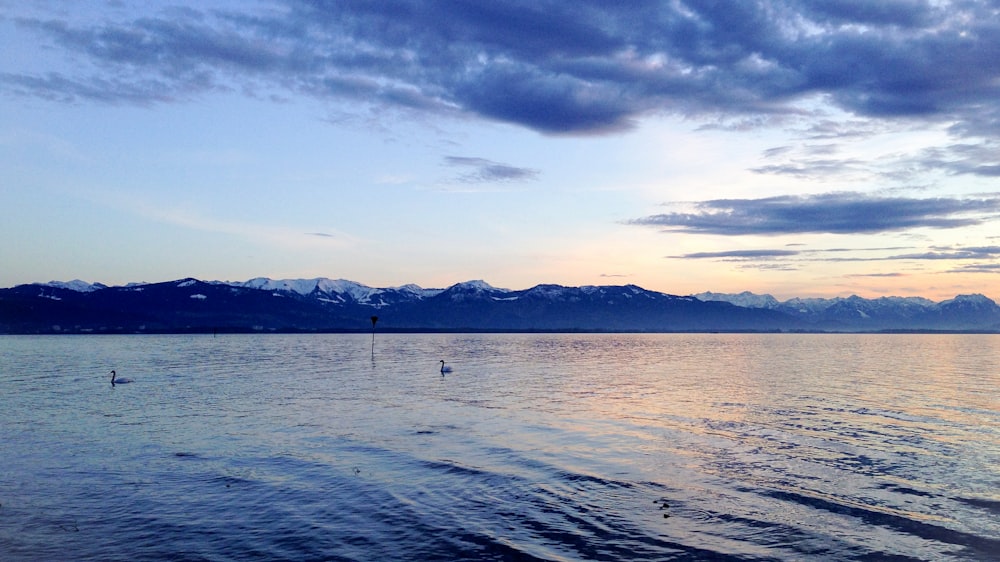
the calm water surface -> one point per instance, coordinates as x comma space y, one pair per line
536, 447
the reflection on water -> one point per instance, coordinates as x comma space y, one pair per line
544, 447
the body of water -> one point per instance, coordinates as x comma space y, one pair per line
535, 447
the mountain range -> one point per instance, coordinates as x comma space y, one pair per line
327, 305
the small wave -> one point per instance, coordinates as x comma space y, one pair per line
993, 506
978, 547
905, 490
186, 455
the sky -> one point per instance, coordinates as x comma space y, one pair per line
802, 148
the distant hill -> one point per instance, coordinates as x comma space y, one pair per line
324, 305
852, 314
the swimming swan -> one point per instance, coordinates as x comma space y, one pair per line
115, 381
444, 368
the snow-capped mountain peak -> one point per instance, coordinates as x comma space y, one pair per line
322, 304
307, 286
548, 291
477, 285
746, 299
417, 290
969, 301
339, 290
76, 285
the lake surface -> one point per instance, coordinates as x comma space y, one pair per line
536, 447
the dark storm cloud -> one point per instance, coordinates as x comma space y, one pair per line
556, 67
482, 170
839, 213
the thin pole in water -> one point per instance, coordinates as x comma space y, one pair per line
374, 320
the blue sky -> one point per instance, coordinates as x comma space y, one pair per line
795, 147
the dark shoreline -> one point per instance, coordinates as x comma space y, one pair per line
244, 331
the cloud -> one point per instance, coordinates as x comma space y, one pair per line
970, 253
563, 68
486, 171
56, 87
978, 268
768, 266
838, 213
986, 258
740, 254
810, 168
981, 158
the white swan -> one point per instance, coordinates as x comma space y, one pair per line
115, 381
444, 368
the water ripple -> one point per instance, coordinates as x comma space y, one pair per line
537, 447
